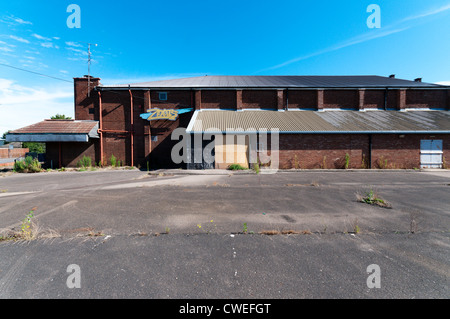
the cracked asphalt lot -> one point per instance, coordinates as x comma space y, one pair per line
136, 235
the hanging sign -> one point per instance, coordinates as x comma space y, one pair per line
167, 114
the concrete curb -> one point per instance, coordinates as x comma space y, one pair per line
263, 171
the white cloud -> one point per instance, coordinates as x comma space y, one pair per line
7, 44
12, 20
6, 49
49, 45
40, 37
19, 39
32, 52
78, 51
20, 21
427, 13
443, 83
74, 44
21, 106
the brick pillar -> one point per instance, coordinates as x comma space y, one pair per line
238, 99
281, 100
198, 99
319, 99
147, 101
401, 99
361, 93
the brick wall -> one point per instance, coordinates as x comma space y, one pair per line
395, 152
302, 99
116, 126
175, 99
219, 99
345, 99
426, 99
160, 155
259, 99
14, 153
374, 99
309, 151
71, 153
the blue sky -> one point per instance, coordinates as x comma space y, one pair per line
149, 40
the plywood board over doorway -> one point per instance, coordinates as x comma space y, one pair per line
231, 149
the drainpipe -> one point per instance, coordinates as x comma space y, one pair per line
131, 128
100, 129
385, 98
287, 99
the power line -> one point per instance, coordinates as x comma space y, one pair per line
41, 74
60, 79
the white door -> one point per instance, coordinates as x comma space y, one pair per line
431, 153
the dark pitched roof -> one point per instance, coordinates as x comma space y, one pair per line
317, 81
55, 131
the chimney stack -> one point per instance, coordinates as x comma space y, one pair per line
84, 101
392, 76
418, 80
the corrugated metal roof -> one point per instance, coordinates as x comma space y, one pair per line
316, 81
326, 122
58, 127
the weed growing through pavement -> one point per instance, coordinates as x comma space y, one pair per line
371, 197
236, 167
356, 228
207, 228
413, 220
26, 227
347, 161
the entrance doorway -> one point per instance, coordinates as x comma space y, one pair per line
431, 153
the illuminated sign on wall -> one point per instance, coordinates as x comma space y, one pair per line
167, 114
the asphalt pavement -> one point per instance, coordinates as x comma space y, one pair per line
169, 234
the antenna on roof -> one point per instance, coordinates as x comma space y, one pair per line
89, 67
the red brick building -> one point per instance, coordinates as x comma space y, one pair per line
320, 122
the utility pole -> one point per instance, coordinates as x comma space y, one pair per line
89, 67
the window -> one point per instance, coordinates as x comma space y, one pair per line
163, 96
